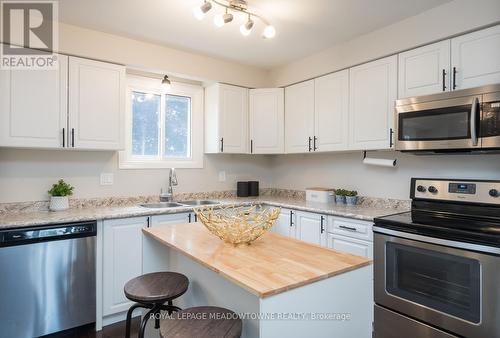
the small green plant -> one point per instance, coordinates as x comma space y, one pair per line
61, 188
352, 193
341, 192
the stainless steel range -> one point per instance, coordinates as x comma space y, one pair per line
437, 267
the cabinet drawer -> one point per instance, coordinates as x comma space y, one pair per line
350, 245
351, 228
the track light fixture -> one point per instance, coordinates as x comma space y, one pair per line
241, 6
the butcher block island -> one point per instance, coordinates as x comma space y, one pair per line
281, 287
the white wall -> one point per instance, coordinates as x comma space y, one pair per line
345, 170
26, 175
435, 24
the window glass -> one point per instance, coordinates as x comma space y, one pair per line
177, 126
145, 124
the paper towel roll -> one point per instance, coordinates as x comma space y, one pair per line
379, 162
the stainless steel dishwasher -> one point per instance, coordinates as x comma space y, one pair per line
47, 281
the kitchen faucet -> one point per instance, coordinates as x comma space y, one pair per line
172, 181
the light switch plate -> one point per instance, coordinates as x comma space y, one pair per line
222, 176
107, 178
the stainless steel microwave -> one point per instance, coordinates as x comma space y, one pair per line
463, 120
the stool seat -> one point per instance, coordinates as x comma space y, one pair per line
202, 322
156, 287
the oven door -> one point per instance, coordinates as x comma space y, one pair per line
438, 125
454, 289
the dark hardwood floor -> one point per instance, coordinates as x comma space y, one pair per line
112, 331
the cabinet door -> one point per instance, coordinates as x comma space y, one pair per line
285, 224
33, 106
350, 245
331, 111
233, 115
476, 58
299, 117
122, 260
424, 70
267, 121
311, 227
373, 91
96, 104
181, 218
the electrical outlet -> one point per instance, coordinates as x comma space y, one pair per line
107, 178
222, 176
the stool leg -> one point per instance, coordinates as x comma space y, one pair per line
170, 304
157, 316
129, 319
145, 321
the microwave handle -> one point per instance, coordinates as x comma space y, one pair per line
473, 119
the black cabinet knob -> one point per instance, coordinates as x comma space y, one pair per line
494, 193
432, 189
421, 188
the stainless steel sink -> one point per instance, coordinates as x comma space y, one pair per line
161, 205
195, 203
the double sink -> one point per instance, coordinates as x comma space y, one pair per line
167, 205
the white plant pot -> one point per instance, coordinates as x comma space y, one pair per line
59, 203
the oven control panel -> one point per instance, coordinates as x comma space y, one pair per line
454, 190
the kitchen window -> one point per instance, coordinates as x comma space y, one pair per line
164, 129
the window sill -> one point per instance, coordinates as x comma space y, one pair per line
127, 163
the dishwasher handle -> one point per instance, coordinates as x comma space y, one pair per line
20, 236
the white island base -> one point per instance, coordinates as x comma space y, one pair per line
340, 306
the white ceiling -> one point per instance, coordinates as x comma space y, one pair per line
303, 26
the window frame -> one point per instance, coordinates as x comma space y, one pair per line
152, 86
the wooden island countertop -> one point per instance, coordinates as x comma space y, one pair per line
270, 265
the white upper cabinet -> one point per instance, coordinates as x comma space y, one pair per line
475, 58
267, 121
33, 106
373, 90
331, 119
299, 117
226, 119
425, 70
96, 104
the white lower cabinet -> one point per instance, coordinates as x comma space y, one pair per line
285, 224
350, 245
311, 227
121, 260
184, 217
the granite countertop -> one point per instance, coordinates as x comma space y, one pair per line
364, 211
272, 264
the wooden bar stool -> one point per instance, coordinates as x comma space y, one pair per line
152, 291
202, 322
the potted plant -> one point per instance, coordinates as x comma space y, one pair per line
59, 196
340, 196
352, 197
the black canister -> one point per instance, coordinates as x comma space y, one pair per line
242, 189
253, 188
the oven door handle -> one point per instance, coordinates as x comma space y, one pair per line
473, 121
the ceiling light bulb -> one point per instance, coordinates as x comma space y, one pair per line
246, 28
269, 32
219, 20
199, 12
165, 83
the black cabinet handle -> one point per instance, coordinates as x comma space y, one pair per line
251, 146
454, 78
148, 225
314, 145
189, 218
310, 139
222, 145
391, 133
291, 218
64, 137
195, 217
444, 80
347, 228
322, 224
73, 137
